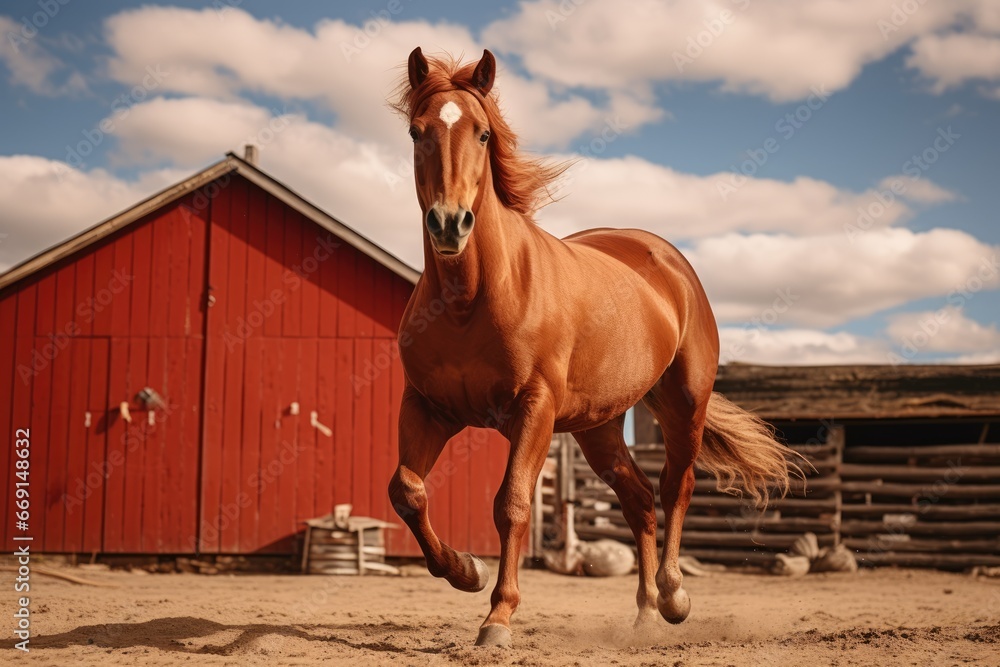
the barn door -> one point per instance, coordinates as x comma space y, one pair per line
267, 440
153, 359
91, 334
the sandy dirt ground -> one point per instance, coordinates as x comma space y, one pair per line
875, 617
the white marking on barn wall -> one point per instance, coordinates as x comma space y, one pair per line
450, 113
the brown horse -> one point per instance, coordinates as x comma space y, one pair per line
544, 335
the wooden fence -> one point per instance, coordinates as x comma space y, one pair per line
935, 506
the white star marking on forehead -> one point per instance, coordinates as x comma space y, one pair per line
450, 113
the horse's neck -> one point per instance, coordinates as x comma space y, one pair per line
487, 271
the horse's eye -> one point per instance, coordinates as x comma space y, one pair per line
414, 134
485, 136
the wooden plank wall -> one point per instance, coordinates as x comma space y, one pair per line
89, 333
935, 505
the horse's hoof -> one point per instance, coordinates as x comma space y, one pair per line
494, 635
474, 581
677, 608
647, 620
482, 572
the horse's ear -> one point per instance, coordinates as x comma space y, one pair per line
416, 67
483, 75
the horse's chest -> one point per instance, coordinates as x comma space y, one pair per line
467, 382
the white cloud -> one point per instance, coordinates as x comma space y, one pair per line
31, 65
798, 347
952, 59
918, 190
768, 47
633, 192
947, 330
825, 280
191, 131
945, 335
992, 357
224, 54
45, 202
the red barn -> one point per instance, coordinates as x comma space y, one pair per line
206, 370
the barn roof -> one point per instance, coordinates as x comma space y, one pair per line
863, 392
231, 164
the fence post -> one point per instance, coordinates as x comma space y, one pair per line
835, 436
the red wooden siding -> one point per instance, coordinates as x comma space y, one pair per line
89, 333
232, 308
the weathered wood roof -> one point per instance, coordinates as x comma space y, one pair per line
863, 392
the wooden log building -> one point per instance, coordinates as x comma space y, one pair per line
906, 458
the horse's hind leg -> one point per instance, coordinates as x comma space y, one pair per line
679, 401
421, 440
606, 452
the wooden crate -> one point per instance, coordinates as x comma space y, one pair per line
347, 546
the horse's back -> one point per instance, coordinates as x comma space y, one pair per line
656, 260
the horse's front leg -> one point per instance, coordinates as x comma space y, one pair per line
530, 436
421, 439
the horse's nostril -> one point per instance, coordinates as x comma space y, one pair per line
465, 226
434, 223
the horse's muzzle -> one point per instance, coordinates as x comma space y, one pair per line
449, 230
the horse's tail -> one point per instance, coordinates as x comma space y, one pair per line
739, 448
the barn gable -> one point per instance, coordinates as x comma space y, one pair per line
211, 179
265, 330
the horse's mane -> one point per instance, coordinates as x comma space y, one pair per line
520, 181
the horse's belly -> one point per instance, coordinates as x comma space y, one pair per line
607, 375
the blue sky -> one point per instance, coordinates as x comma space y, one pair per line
890, 87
